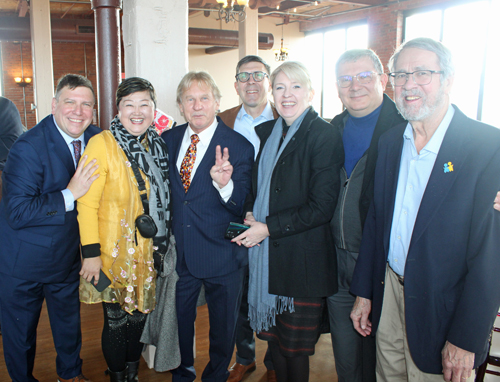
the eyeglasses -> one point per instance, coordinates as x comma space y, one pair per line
363, 78
245, 76
420, 77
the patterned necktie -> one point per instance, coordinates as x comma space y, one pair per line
77, 148
188, 162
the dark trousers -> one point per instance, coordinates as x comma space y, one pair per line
223, 295
245, 340
354, 354
21, 302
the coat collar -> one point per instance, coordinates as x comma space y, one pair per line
389, 117
265, 129
452, 150
393, 161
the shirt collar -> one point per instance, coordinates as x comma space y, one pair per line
206, 135
267, 113
66, 137
436, 140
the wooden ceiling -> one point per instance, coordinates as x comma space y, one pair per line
58, 9
289, 10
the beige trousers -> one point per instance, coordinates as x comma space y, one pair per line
394, 361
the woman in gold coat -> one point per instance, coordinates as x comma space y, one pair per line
112, 246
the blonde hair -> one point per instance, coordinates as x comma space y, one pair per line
294, 70
203, 78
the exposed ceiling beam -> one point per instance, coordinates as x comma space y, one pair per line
22, 8
69, 9
218, 49
362, 2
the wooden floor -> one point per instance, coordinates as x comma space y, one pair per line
321, 364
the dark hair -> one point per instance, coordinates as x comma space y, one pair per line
133, 85
247, 59
73, 81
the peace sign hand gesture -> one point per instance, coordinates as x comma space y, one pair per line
222, 171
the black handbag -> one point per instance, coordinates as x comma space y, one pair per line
146, 226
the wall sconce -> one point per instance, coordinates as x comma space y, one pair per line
22, 81
232, 10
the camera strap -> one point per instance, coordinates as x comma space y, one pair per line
143, 193
141, 184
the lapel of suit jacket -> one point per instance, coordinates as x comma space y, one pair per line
452, 150
300, 133
208, 159
386, 120
392, 165
56, 144
177, 135
86, 136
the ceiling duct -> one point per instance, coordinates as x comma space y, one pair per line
79, 30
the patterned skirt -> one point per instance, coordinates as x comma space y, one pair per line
297, 332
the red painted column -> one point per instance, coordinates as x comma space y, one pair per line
108, 57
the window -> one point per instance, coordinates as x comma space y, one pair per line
319, 53
475, 51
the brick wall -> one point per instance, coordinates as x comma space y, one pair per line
78, 58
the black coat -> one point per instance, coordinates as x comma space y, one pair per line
303, 196
388, 118
10, 129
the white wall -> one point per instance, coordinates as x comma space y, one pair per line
222, 66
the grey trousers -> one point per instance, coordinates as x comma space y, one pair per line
354, 354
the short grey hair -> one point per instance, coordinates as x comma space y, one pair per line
203, 78
445, 58
353, 55
294, 70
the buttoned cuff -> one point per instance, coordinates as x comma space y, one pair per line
226, 191
69, 200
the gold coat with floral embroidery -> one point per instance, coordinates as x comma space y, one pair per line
106, 215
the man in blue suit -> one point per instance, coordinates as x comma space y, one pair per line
206, 197
428, 265
40, 253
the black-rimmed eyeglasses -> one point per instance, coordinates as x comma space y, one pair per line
245, 76
420, 77
363, 78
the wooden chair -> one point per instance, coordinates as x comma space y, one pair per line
493, 354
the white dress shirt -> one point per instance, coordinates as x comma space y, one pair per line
69, 199
201, 149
